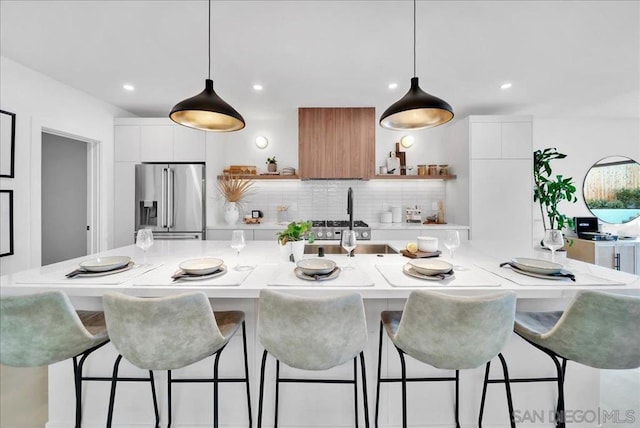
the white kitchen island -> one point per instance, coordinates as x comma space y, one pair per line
379, 280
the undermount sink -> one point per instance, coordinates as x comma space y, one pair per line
360, 249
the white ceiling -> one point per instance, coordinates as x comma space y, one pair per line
564, 58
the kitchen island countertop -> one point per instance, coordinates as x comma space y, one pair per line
265, 255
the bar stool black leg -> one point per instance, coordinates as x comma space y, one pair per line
507, 386
484, 393
364, 391
155, 398
404, 388
355, 389
457, 398
275, 418
260, 399
77, 380
215, 388
112, 395
246, 371
169, 397
379, 375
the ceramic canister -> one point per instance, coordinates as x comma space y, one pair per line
428, 244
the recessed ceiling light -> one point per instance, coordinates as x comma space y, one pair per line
257, 87
506, 85
393, 85
128, 87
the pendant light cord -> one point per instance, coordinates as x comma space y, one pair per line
414, 38
209, 40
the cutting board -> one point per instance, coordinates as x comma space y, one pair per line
420, 254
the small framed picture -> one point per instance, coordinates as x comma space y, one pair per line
6, 223
7, 143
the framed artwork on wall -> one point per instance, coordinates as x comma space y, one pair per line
7, 143
6, 223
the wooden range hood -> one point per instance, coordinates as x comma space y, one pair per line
336, 143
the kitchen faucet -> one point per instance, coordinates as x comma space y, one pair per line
350, 207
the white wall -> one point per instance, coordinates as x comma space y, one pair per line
41, 102
585, 141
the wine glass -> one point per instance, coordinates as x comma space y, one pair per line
144, 240
452, 241
238, 243
553, 240
348, 242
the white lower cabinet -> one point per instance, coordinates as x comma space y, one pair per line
412, 234
225, 234
612, 254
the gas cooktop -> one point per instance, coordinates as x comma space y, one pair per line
332, 229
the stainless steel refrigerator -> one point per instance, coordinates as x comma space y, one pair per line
170, 200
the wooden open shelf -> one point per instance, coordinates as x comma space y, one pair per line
262, 177
375, 177
413, 177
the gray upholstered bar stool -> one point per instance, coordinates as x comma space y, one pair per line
41, 329
447, 332
597, 329
312, 334
170, 333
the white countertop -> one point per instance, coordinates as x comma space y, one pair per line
481, 261
372, 225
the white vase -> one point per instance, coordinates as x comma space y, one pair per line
231, 212
295, 248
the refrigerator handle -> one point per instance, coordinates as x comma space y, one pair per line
163, 201
170, 196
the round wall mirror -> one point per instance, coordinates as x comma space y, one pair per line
612, 189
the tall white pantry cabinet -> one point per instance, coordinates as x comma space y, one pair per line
493, 192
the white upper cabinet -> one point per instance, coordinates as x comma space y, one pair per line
156, 143
127, 143
486, 139
517, 140
500, 140
188, 144
157, 140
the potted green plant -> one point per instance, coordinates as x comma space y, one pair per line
291, 240
272, 164
550, 190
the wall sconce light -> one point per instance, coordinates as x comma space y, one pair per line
262, 142
406, 141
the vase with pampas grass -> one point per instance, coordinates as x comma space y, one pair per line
234, 190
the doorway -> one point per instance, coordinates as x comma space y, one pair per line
66, 197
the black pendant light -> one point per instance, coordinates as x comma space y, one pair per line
417, 109
207, 111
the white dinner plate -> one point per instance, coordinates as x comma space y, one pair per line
103, 264
221, 270
542, 267
430, 266
411, 271
316, 266
202, 266
541, 275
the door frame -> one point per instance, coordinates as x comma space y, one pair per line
94, 149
